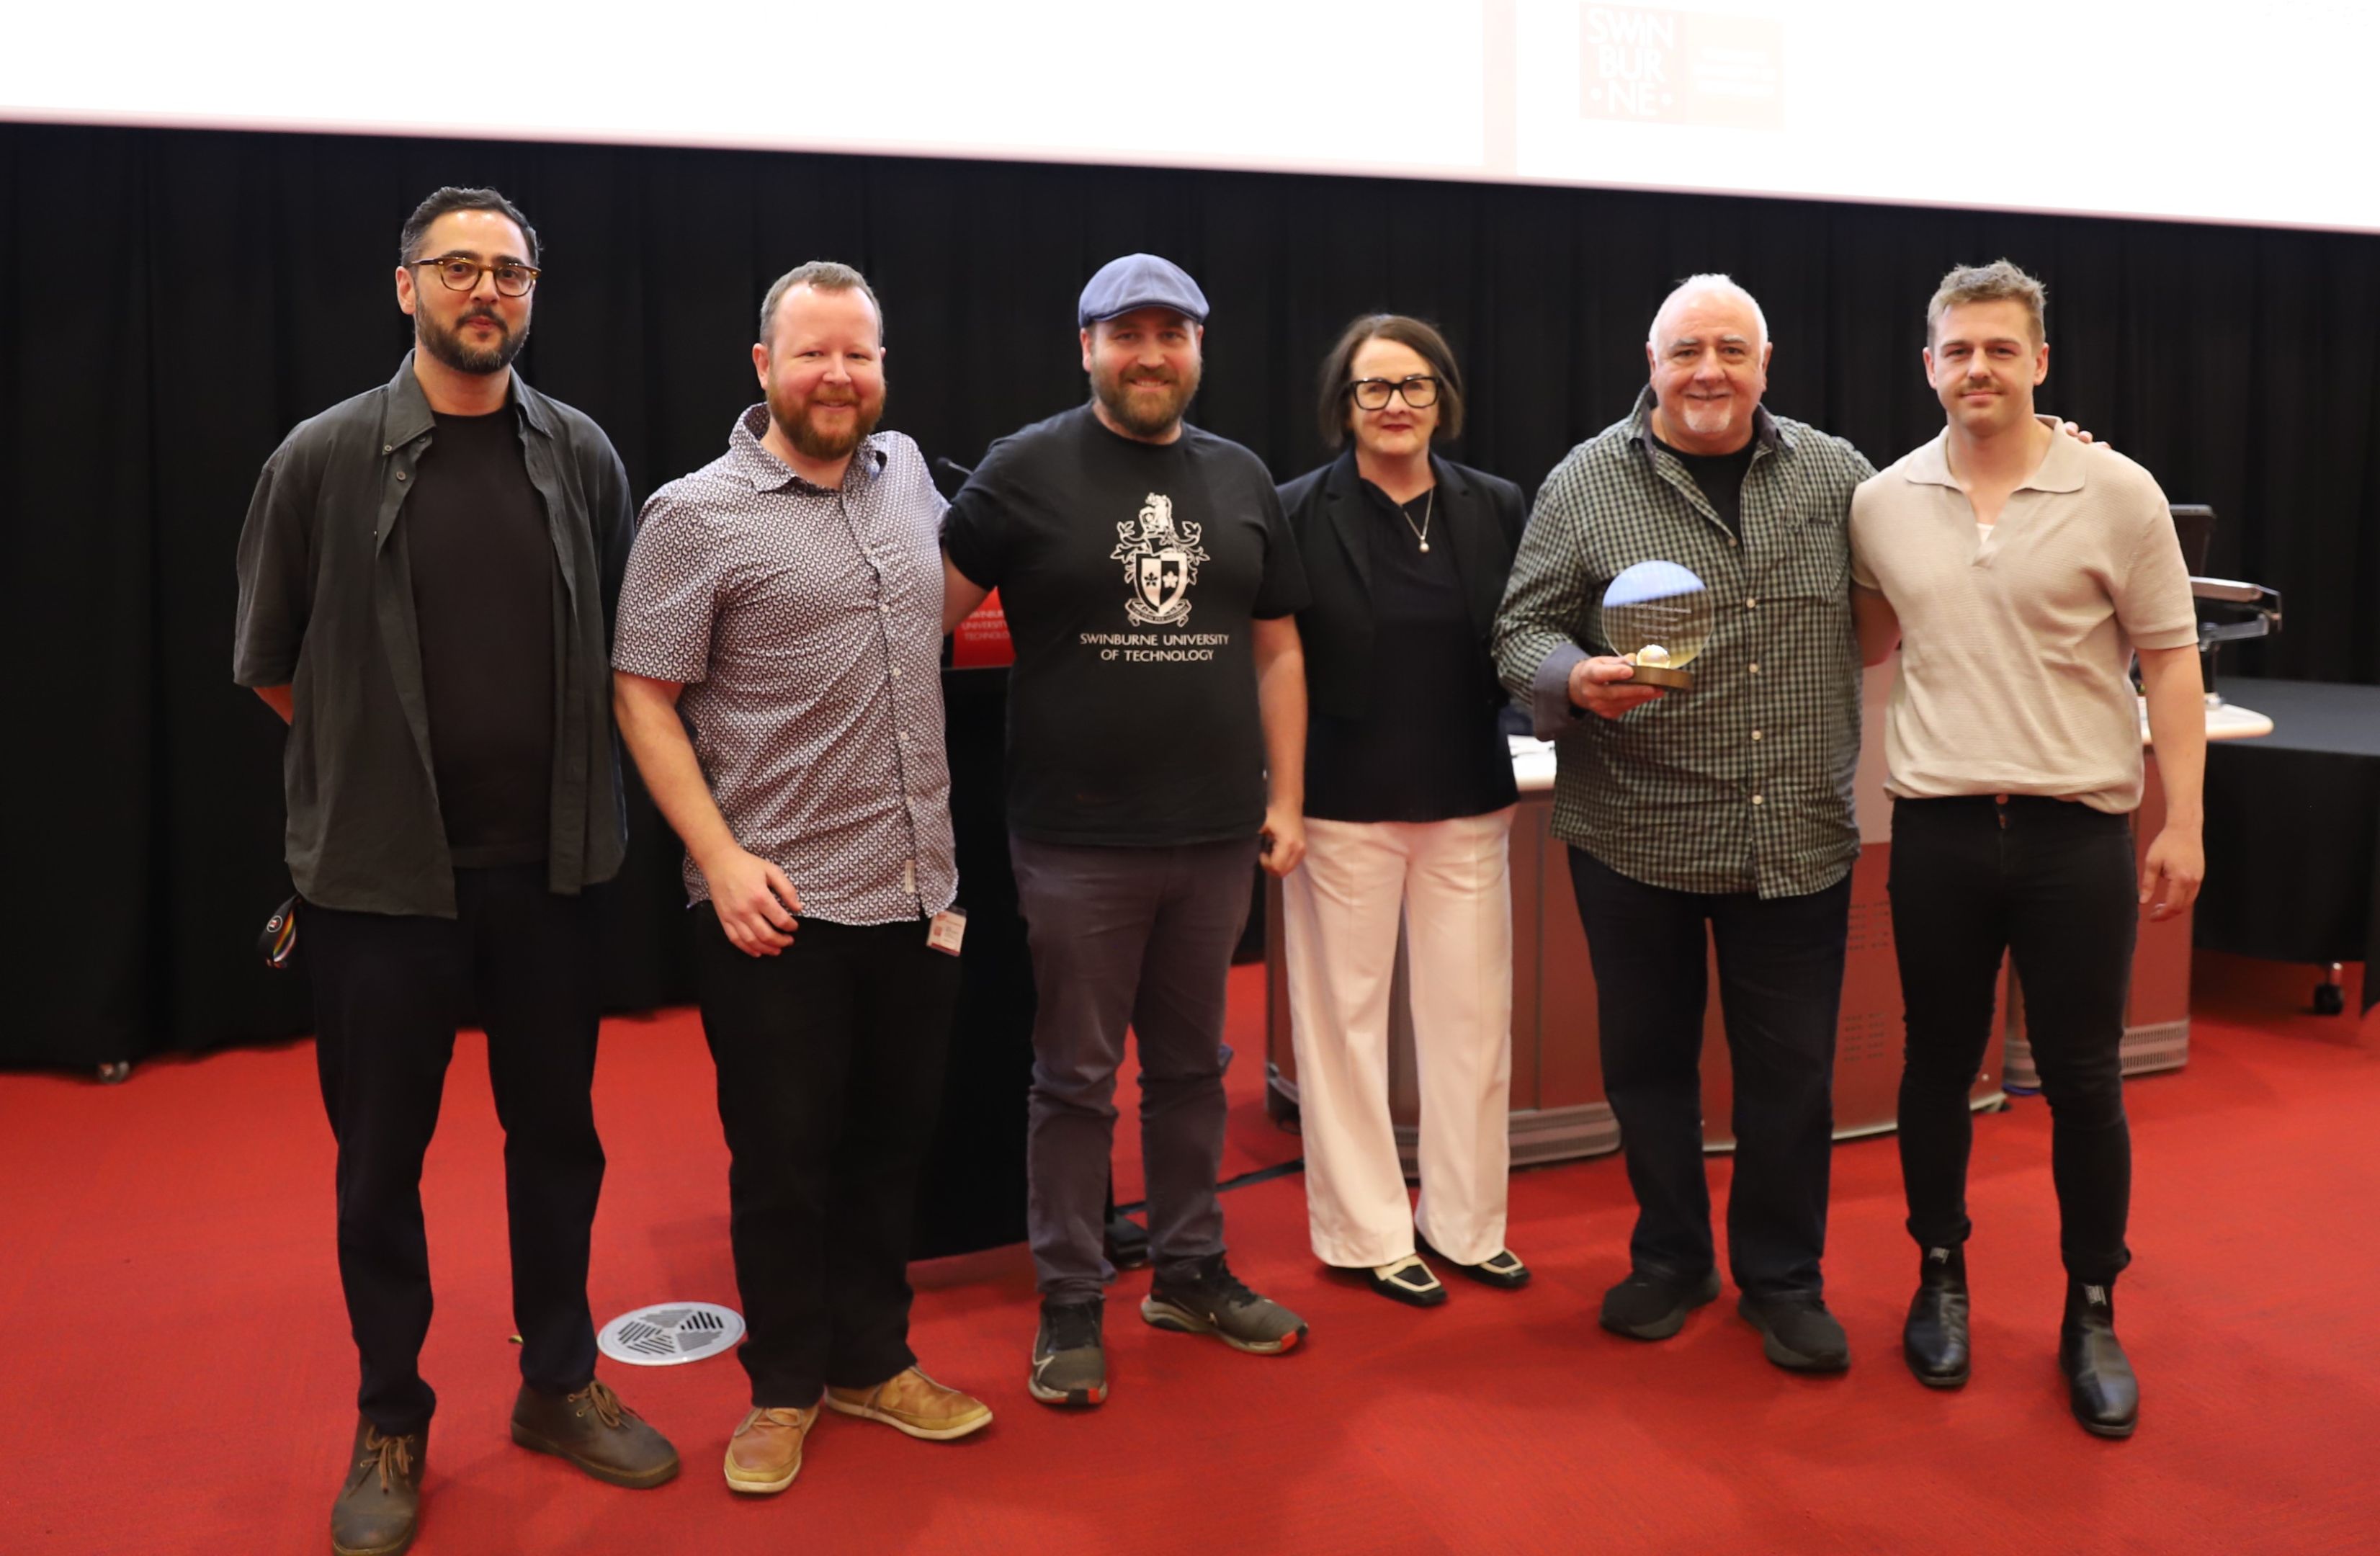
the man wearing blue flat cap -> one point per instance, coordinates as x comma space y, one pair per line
1156, 755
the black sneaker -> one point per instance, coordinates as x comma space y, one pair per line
1652, 1304
1070, 1366
1797, 1332
1213, 1301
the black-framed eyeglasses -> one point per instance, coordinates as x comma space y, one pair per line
461, 273
1420, 390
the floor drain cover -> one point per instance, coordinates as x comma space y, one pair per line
671, 1332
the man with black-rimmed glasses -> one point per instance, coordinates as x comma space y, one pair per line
427, 577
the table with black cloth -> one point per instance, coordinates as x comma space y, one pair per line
2293, 830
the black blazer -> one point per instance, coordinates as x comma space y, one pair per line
1479, 514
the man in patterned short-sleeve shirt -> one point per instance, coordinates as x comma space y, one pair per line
1730, 804
777, 681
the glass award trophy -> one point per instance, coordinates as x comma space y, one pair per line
1656, 615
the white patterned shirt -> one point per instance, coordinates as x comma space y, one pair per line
806, 627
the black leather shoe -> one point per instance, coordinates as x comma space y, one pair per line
594, 1430
1407, 1280
1503, 1268
2099, 1381
1796, 1331
1933, 1340
379, 1505
1652, 1304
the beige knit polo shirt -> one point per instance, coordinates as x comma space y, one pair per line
2016, 645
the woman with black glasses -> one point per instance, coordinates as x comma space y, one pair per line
1409, 803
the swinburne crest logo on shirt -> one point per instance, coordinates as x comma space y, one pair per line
1161, 562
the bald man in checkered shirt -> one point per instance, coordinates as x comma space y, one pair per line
1729, 804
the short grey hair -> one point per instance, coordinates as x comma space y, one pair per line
825, 276
1708, 281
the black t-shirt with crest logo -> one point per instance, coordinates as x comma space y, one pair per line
1130, 573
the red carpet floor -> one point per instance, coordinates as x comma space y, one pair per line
177, 1375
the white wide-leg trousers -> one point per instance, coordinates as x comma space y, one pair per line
1448, 881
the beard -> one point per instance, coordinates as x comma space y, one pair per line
791, 415
1707, 417
446, 344
1144, 412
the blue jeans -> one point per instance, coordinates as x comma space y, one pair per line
1780, 984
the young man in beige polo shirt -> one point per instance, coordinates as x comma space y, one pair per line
2024, 571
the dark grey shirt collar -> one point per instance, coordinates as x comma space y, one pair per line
409, 415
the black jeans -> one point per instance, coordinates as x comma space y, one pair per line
2052, 884
1780, 985
831, 1057
389, 991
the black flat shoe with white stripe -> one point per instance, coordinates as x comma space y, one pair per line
1407, 1280
1503, 1268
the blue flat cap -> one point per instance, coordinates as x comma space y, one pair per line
1140, 280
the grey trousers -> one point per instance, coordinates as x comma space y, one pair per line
1138, 937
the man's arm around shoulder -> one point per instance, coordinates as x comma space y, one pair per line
972, 528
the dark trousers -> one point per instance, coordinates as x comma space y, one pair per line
2052, 884
1139, 938
831, 1057
389, 991
1780, 982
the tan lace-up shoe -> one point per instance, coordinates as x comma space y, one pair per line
910, 1402
766, 1451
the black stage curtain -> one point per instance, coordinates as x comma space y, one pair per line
171, 302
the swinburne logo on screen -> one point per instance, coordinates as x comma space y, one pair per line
1682, 67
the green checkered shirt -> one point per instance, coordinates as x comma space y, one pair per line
1744, 783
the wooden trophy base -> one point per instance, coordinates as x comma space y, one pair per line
1662, 675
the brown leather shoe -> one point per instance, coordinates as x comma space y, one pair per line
594, 1430
379, 1505
910, 1402
766, 1451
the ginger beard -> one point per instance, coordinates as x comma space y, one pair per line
795, 415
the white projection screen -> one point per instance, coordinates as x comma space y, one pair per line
2234, 114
